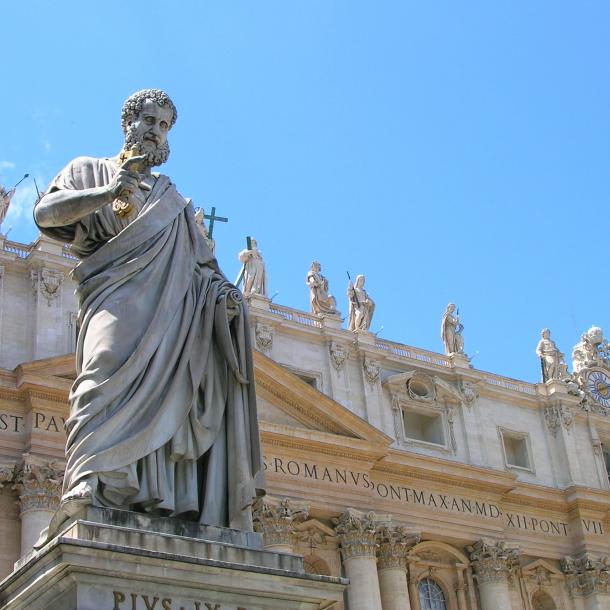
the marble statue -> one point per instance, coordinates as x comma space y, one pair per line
361, 306
255, 274
451, 331
162, 411
321, 302
200, 222
551, 359
591, 350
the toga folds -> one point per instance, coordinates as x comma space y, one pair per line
162, 411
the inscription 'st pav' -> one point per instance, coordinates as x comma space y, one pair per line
162, 412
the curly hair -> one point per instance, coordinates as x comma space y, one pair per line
133, 105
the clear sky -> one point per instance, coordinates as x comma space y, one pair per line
449, 151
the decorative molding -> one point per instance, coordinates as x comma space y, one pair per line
371, 369
357, 533
338, 354
586, 574
264, 336
394, 545
38, 484
494, 562
557, 416
47, 283
275, 519
7, 474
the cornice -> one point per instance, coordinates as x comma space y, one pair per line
448, 472
317, 442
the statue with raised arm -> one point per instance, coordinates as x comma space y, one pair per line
255, 274
451, 331
551, 359
321, 302
162, 411
361, 306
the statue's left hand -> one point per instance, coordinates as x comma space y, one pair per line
233, 310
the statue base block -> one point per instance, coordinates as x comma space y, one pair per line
118, 560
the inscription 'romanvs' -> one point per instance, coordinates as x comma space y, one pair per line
422, 497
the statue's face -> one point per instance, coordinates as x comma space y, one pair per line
151, 126
546, 334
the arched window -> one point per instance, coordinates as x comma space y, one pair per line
543, 601
431, 596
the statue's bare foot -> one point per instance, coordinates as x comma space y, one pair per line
76, 498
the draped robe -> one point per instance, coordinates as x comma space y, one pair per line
162, 411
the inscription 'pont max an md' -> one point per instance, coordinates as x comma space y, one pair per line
422, 497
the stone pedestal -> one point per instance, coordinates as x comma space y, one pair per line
118, 560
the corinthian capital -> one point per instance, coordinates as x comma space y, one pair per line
357, 533
394, 545
38, 485
493, 562
587, 574
275, 519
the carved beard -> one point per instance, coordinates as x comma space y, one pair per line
157, 157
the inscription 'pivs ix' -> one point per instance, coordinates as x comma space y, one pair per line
140, 601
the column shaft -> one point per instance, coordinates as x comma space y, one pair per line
394, 589
363, 591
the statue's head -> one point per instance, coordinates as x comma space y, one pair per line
546, 333
315, 266
450, 308
254, 243
147, 117
360, 281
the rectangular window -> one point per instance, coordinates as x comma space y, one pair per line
516, 450
424, 427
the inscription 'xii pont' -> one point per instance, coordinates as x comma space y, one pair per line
140, 601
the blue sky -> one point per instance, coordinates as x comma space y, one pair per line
450, 151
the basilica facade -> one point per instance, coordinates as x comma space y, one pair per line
431, 485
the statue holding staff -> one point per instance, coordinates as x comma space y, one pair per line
361, 306
451, 331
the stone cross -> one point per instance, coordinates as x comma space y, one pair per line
212, 217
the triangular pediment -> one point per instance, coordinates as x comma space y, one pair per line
541, 564
307, 406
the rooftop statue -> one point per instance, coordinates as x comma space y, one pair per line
162, 411
255, 273
361, 306
451, 331
551, 359
321, 302
592, 350
200, 222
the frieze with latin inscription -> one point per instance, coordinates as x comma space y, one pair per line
141, 601
421, 497
12, 423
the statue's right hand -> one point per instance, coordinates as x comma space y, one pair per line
126, 181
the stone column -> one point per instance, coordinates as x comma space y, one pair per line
588, 578
413, 592
394, 544
493, 564
460, 590
357, 534
39, 488
275, 519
